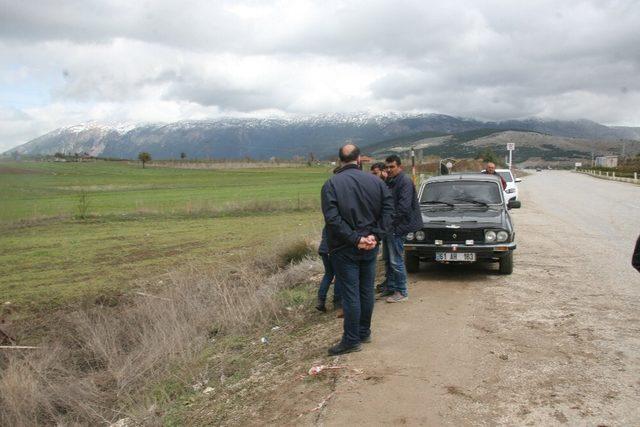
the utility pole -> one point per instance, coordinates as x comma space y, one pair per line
413, 165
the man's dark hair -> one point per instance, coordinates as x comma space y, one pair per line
349, 156
378, 165
394, 158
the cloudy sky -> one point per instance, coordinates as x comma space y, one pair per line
66, 62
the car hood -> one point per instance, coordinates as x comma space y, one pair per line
469, 218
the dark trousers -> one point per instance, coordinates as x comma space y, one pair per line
356, 271
329, 274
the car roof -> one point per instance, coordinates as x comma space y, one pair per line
465, 177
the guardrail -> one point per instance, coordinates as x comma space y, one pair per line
610, 175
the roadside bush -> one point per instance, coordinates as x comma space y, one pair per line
98, 363
294, 252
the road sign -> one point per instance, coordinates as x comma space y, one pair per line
510, 147
578, 164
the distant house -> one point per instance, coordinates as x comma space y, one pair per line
607, 161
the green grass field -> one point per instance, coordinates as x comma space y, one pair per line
142, 224
31, 190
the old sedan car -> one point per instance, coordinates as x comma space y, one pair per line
465, 220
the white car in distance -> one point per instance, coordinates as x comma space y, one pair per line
511, 192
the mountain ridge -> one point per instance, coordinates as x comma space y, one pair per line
284, 137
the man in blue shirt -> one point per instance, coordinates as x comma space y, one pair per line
357, 208
407, 218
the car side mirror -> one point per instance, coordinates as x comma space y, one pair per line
518, 179
513, 204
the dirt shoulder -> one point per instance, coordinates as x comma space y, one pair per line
556, 342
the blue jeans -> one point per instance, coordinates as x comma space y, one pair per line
393, 254
326, 282
356, 271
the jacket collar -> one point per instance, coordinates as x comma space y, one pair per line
392, 181
348, 166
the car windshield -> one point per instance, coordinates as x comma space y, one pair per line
506, 175
457, 192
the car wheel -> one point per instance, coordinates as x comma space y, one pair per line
412, 263
506, 263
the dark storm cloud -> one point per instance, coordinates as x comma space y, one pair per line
487, 59
188, 25
225, 96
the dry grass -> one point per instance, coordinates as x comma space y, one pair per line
97, 363
295, 252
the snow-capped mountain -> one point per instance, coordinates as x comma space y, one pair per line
284, 137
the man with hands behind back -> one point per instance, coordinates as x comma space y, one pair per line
357, 208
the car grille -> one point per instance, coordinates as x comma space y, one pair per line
448, 235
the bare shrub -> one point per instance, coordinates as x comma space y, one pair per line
295, 252
82, 209
98, 365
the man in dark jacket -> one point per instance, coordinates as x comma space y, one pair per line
357, 208
407, 218
635, 260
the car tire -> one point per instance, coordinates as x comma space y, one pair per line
412, 263
506, 263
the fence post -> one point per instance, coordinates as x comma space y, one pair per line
635, 176
614, 174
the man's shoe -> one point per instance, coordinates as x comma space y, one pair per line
385, 294
397, 297
340, 348
366, 340
320, 306
381, 287
339, 313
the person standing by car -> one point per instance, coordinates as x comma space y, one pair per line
635, 260
407, 218
357, 209
490, 169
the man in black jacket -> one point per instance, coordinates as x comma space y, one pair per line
357, 208
635, 260
406, 219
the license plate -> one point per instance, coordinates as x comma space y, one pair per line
455, 256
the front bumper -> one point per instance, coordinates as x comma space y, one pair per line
484, 252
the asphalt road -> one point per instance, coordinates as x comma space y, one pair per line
557, 342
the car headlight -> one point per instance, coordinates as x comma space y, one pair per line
510, 190
420, 235
410, 236
502, 236
490, 236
